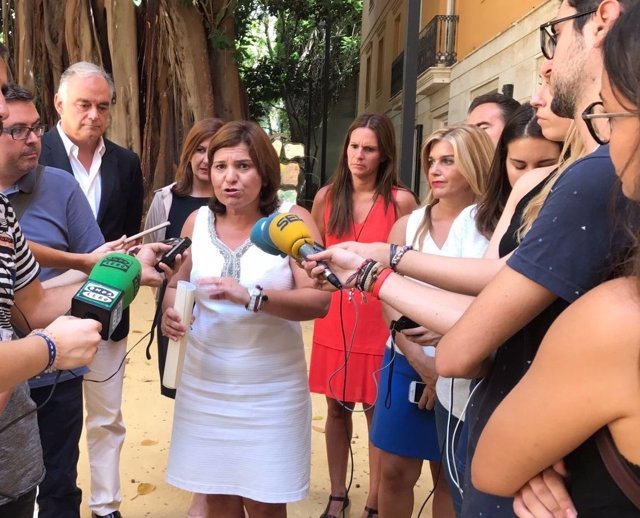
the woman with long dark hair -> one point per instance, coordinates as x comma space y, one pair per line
361, 203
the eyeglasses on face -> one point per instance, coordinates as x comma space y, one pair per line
599, 122
548, 40
22, 132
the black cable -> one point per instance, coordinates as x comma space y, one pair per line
156, 317
29, 412
123, 359
345, 409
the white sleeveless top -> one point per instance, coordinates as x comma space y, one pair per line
242, 422
463, 240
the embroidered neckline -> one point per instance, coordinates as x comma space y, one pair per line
231, 258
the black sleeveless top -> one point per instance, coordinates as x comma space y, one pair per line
181, 208
509, 241
594, 493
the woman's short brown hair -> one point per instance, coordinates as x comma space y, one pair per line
263, 155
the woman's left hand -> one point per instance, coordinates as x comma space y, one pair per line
224, 288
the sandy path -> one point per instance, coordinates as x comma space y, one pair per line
148, 419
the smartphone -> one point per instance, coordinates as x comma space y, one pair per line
169, 257
416, 388
404, 323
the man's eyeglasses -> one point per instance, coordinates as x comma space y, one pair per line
599, 122
548, 40
22, 132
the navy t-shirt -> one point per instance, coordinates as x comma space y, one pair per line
575, 244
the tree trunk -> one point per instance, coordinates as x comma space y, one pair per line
167, 75
122, 38
229, 91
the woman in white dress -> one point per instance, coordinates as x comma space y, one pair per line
242, 419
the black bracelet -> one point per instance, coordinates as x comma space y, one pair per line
393, 250
399, 253
363, 274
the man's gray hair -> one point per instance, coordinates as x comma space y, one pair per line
83, 69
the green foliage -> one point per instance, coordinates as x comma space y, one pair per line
220, 40
280, 49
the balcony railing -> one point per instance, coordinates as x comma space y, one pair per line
436, 47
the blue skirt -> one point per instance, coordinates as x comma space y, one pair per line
399, 426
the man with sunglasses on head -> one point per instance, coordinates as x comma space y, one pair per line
570, 249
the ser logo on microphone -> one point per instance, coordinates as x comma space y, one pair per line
285, 220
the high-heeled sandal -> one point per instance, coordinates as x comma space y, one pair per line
371, 512
343, 512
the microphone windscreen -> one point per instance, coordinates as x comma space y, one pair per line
120, 271
289, 232
260, 237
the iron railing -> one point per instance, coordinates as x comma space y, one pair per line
436, 47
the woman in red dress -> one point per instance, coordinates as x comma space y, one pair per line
361, 203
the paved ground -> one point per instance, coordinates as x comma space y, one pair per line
148, 418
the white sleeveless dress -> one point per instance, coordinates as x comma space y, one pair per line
242, 420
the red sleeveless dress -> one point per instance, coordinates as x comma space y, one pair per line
348, 343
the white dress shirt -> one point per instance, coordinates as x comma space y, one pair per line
89, 180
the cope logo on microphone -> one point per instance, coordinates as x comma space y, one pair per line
100, 293
119, 263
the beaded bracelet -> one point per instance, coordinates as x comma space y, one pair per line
398, 254
51, 347
363, 274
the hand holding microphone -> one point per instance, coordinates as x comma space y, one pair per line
112, 285
289, 233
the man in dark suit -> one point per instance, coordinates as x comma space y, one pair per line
111, 178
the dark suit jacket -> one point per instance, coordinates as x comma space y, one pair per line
120, 210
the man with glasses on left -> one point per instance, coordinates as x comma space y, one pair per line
54, 212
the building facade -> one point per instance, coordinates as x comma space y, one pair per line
466, 48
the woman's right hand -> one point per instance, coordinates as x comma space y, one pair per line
76, 341
171, 325
343, 263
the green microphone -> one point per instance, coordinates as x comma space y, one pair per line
112, 285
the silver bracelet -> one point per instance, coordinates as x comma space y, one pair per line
256, 299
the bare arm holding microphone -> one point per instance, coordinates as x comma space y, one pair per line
432, 308
76, 341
